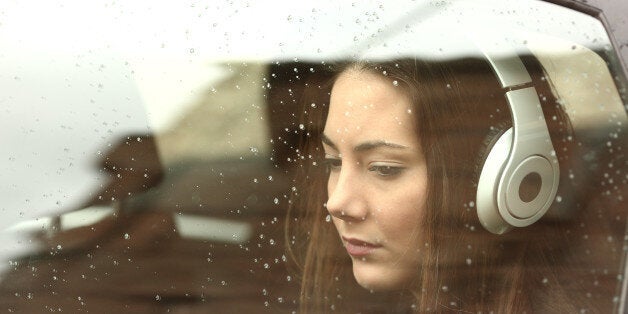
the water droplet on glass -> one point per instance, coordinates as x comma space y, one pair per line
328, 218
395, 83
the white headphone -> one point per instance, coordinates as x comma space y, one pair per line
521, 158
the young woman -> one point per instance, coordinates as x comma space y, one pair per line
386, 196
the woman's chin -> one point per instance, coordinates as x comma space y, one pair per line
374, 279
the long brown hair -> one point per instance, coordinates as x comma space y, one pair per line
460, 107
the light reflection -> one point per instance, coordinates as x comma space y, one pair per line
199, 84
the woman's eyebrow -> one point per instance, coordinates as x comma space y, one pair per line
376, 144
327, 141
370, 145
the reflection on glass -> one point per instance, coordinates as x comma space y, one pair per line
152, 166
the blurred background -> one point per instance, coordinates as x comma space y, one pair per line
148, 150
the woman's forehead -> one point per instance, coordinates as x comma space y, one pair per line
367, 106
367, 91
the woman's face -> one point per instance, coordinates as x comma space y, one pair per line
377, 180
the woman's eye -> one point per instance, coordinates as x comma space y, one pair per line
386, 171
332, 164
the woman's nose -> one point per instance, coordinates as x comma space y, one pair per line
347, 198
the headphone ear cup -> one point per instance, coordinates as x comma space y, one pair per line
495, 155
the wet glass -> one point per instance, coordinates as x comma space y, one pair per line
150, 153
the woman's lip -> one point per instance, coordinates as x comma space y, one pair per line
359, 248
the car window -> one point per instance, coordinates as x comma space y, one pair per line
163, 157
